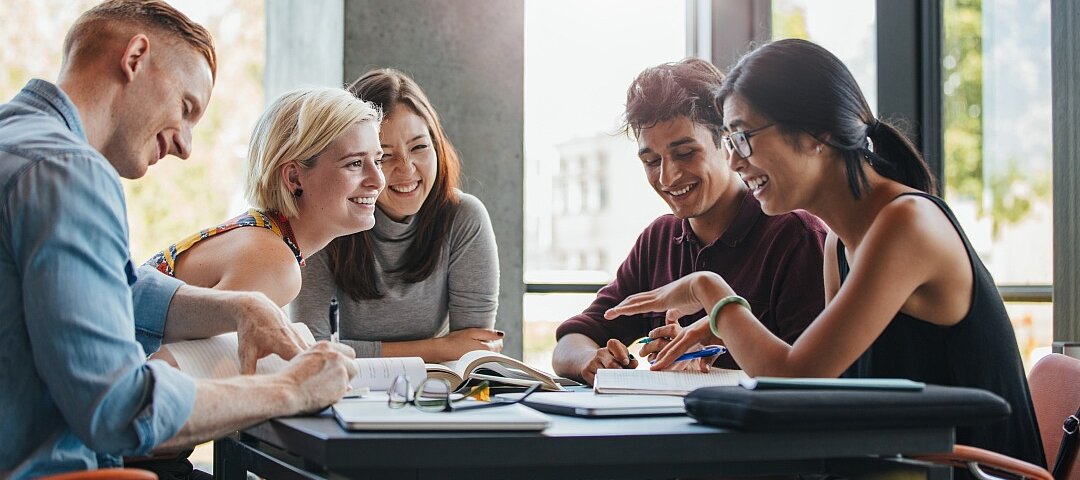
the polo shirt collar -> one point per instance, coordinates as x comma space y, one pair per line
745, 218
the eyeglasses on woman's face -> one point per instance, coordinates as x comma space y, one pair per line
435, 395
739, 142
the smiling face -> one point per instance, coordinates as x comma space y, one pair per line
410, 163
781, 176
158, 109
685, 167
342, 186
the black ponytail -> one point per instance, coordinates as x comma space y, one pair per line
803, 88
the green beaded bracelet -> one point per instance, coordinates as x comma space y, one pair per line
716, 310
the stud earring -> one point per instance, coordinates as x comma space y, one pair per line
298, 192
819, 149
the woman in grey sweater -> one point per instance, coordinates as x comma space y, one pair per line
425, 280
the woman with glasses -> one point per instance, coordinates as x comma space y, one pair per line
906, 294
425, 281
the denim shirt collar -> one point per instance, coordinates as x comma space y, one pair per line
51, 100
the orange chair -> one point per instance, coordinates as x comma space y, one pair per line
105, 474
1055, 393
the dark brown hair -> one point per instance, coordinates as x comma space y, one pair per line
686, 88
87, 36
804, 88
352, 260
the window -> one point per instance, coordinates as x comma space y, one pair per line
998, 151
847, 28
586, 198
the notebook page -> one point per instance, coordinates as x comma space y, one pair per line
378, 373
213, 357
647, 381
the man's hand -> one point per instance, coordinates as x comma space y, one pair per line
262, 328
321, 375
614, 355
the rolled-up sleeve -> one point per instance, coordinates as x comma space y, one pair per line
77, 277
151, 295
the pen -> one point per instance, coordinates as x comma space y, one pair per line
705, 352
335, 319
646, 340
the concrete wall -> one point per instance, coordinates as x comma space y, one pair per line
304, 45
467, 55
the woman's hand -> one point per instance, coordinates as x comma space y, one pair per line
459, 342
680, 298
694, 337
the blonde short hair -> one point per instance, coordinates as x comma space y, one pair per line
298, 126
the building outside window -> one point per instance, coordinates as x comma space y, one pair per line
580, 58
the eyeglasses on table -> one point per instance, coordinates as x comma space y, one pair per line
435, 395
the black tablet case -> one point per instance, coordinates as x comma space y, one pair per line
781, 410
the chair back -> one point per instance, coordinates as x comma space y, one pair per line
1055, 393
105, 474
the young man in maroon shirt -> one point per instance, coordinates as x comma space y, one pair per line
716, 224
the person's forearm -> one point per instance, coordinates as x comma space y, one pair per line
227, 405
742, 332
202, 312
572, 353
429, 349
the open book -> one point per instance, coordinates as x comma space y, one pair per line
496, 368
648, 382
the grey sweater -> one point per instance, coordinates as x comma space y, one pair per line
462, 291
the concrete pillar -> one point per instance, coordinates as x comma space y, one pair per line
304, 45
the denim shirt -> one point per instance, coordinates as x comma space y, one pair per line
76, 317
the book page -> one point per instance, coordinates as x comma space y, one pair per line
476, 358
610, 380
218, 357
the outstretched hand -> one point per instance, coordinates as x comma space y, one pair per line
677, 298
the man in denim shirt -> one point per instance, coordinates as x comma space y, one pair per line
76, 318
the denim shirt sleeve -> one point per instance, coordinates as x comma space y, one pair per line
152, 293
71, 249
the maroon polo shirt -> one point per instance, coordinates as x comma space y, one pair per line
773, 262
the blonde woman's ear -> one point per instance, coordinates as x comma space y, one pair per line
290, 175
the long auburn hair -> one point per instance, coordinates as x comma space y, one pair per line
352, 257
805, 88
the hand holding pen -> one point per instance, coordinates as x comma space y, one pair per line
335, 321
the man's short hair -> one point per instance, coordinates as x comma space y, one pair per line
686, 88
89, 35
298, 126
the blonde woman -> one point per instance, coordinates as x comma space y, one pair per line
313, 174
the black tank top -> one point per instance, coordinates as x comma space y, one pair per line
978, 352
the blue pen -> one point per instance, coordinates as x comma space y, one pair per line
705, 352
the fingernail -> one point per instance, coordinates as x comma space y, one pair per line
500, 332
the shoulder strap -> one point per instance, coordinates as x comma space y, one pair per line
1068, 444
